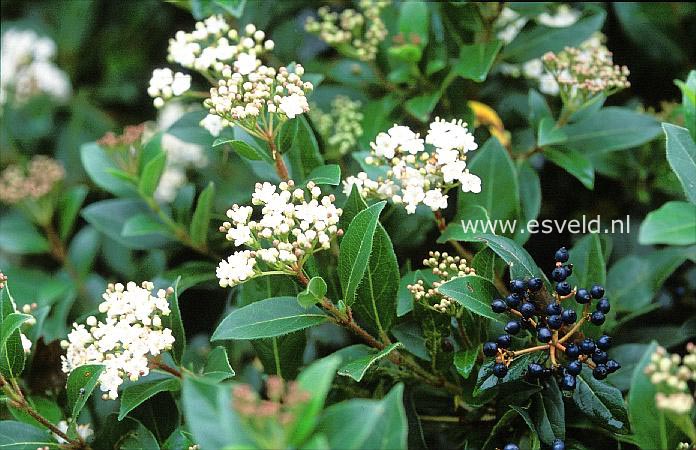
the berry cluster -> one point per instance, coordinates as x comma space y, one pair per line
553, 325
556, 445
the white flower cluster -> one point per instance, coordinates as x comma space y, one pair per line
671, 374
242, 98
445, 267
414, 175
27, 69
131, 332
181, 155
354, 33
291, 229
213, 45
340, 127
166, 84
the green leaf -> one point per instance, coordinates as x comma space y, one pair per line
422, 106
674, 223
101, 168
287, 134
361, 424
328, 174
314, 293
601, 402
548, 413
475, 60
414, 19
587, 257
649, 422
530, 191
22, 436
520, 262
12, 355
135, 394
174, 322
245, 150
474, 293
411, 335
210, 416
8, 325
573, 162
217, 366
484, 263
500, 189
681, 155
548, 133
151, 174
634, 280
19, 236
143, 224
610, 129
465, 360
538, 109
268, 318
304, 155
316, 378
503, 425
533, 43
69, 206
357, 368
688, 89
404, 296
469, 222
80, 385
201, 215
356, 247
281, 355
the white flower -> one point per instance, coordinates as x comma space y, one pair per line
450, 135
533, 68
435, 200
470, 182
548, 84
165, 84
240, 235
246, 63
214, 124
294, 105
453, 171
238, 267
181, 83
565, 16
130, 333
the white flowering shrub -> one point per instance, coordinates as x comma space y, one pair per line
343, 212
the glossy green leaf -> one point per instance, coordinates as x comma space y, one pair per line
520, 262
328, 174
688, 89
538, 109
587, 257
674, 223
80, 385
101, 168
600, 402
9, 324
217, 366
304, 155
151, 174
475, 60
548, 413
474, 293
357, 368
143, 224
470, 221
22, 436
414, 19
681, 155
268, 318
21, 237
282, 355
201, 215
245, 149
135, 394
573, 162
174, 322
12, 356
465, 360
423, 105
69, 206
287, 134
314, 293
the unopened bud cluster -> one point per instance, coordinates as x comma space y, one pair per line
241, 99
132, 134
671, 374
445, 267
40, 177
340, 127
415, 175
354, 33
293, 226
132, 331
586, 71
213, 45
166, 84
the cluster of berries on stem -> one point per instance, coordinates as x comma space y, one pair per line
555, 327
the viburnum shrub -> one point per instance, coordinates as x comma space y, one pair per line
291, 225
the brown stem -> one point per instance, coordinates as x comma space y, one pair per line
530, 350
577, 326
57, 247
157, 364
281, 168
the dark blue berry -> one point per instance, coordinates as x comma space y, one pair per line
518, 286
544, 334
553, 309
535, 370
572, 351
574, 367
597, 291
513, 327
498, 306
500, 370
597, 318
527, 310
561, 255
558, 274
568, 382
582, 296
600, 372
490, 349
603, 305
535, 284
587, 346
569, 316
555, 322
568, 270
511, 447
612, 366
513, 300
504, 340
558, 445
604, 342
600, 356
563, 288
